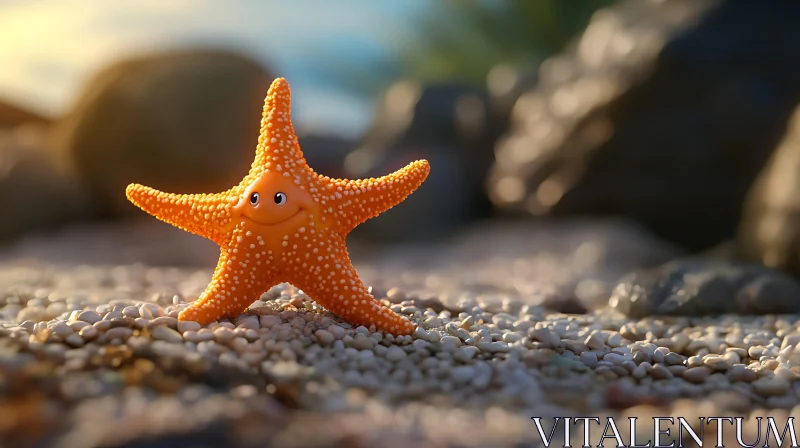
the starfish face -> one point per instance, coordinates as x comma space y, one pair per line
285, 223
273, 201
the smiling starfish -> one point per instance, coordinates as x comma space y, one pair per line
285, 223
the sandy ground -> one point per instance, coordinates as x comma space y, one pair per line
512, 325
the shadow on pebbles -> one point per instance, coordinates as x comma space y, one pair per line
93, 356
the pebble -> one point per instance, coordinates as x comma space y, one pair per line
614, 340
678, 370
511, 337
269, 321
131, 311
187, 325
450, 343
122, 333
785, 373
431, 322
660, 372
324, 337
466, 353
673, 359
493, 347
364, 343
75, 340
152, 310
589, 358
395, 353
696, 374
741, 373
145, 313
716, 363
596, 341
88, 333
90, 316
462, 374
771, 386
546, 337
223, 335
198, 336
614, 358
771, 364
166, 334
639, 372
169, 321
61, 329
248, 322
337, 331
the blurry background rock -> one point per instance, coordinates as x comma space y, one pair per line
703, 287
36, 193
660, 112
450, 126
12, 116
179, 122
770, 231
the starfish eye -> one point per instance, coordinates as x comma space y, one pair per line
254, 198
280, 198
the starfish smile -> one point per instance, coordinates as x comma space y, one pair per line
273, 224
307, 249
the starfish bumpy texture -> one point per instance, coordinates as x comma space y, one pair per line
285, 223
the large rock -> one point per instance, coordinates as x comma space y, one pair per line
664, 111
448, 124
770, 228
705, 287
181, 122
12, 115
325, 153
36, 192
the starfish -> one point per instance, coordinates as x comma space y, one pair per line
285, 223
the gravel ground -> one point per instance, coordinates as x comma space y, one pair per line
93, 356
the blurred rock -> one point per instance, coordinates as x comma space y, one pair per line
36, 194
702, 287
506, 83
663, 111
325, 153
770, 228
181, 122
12, 116
448, 124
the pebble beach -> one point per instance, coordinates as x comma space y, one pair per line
509, 327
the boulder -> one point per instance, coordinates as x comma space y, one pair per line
662, 111
183, 122
695, 287
770, 229
12, 115
36, 192
450, 126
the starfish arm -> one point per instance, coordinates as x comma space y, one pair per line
335, 285
277, 141
234, 286
207, 215
354, 201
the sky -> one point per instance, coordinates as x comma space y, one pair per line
49, 48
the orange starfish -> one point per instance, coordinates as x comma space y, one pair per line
285, 223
